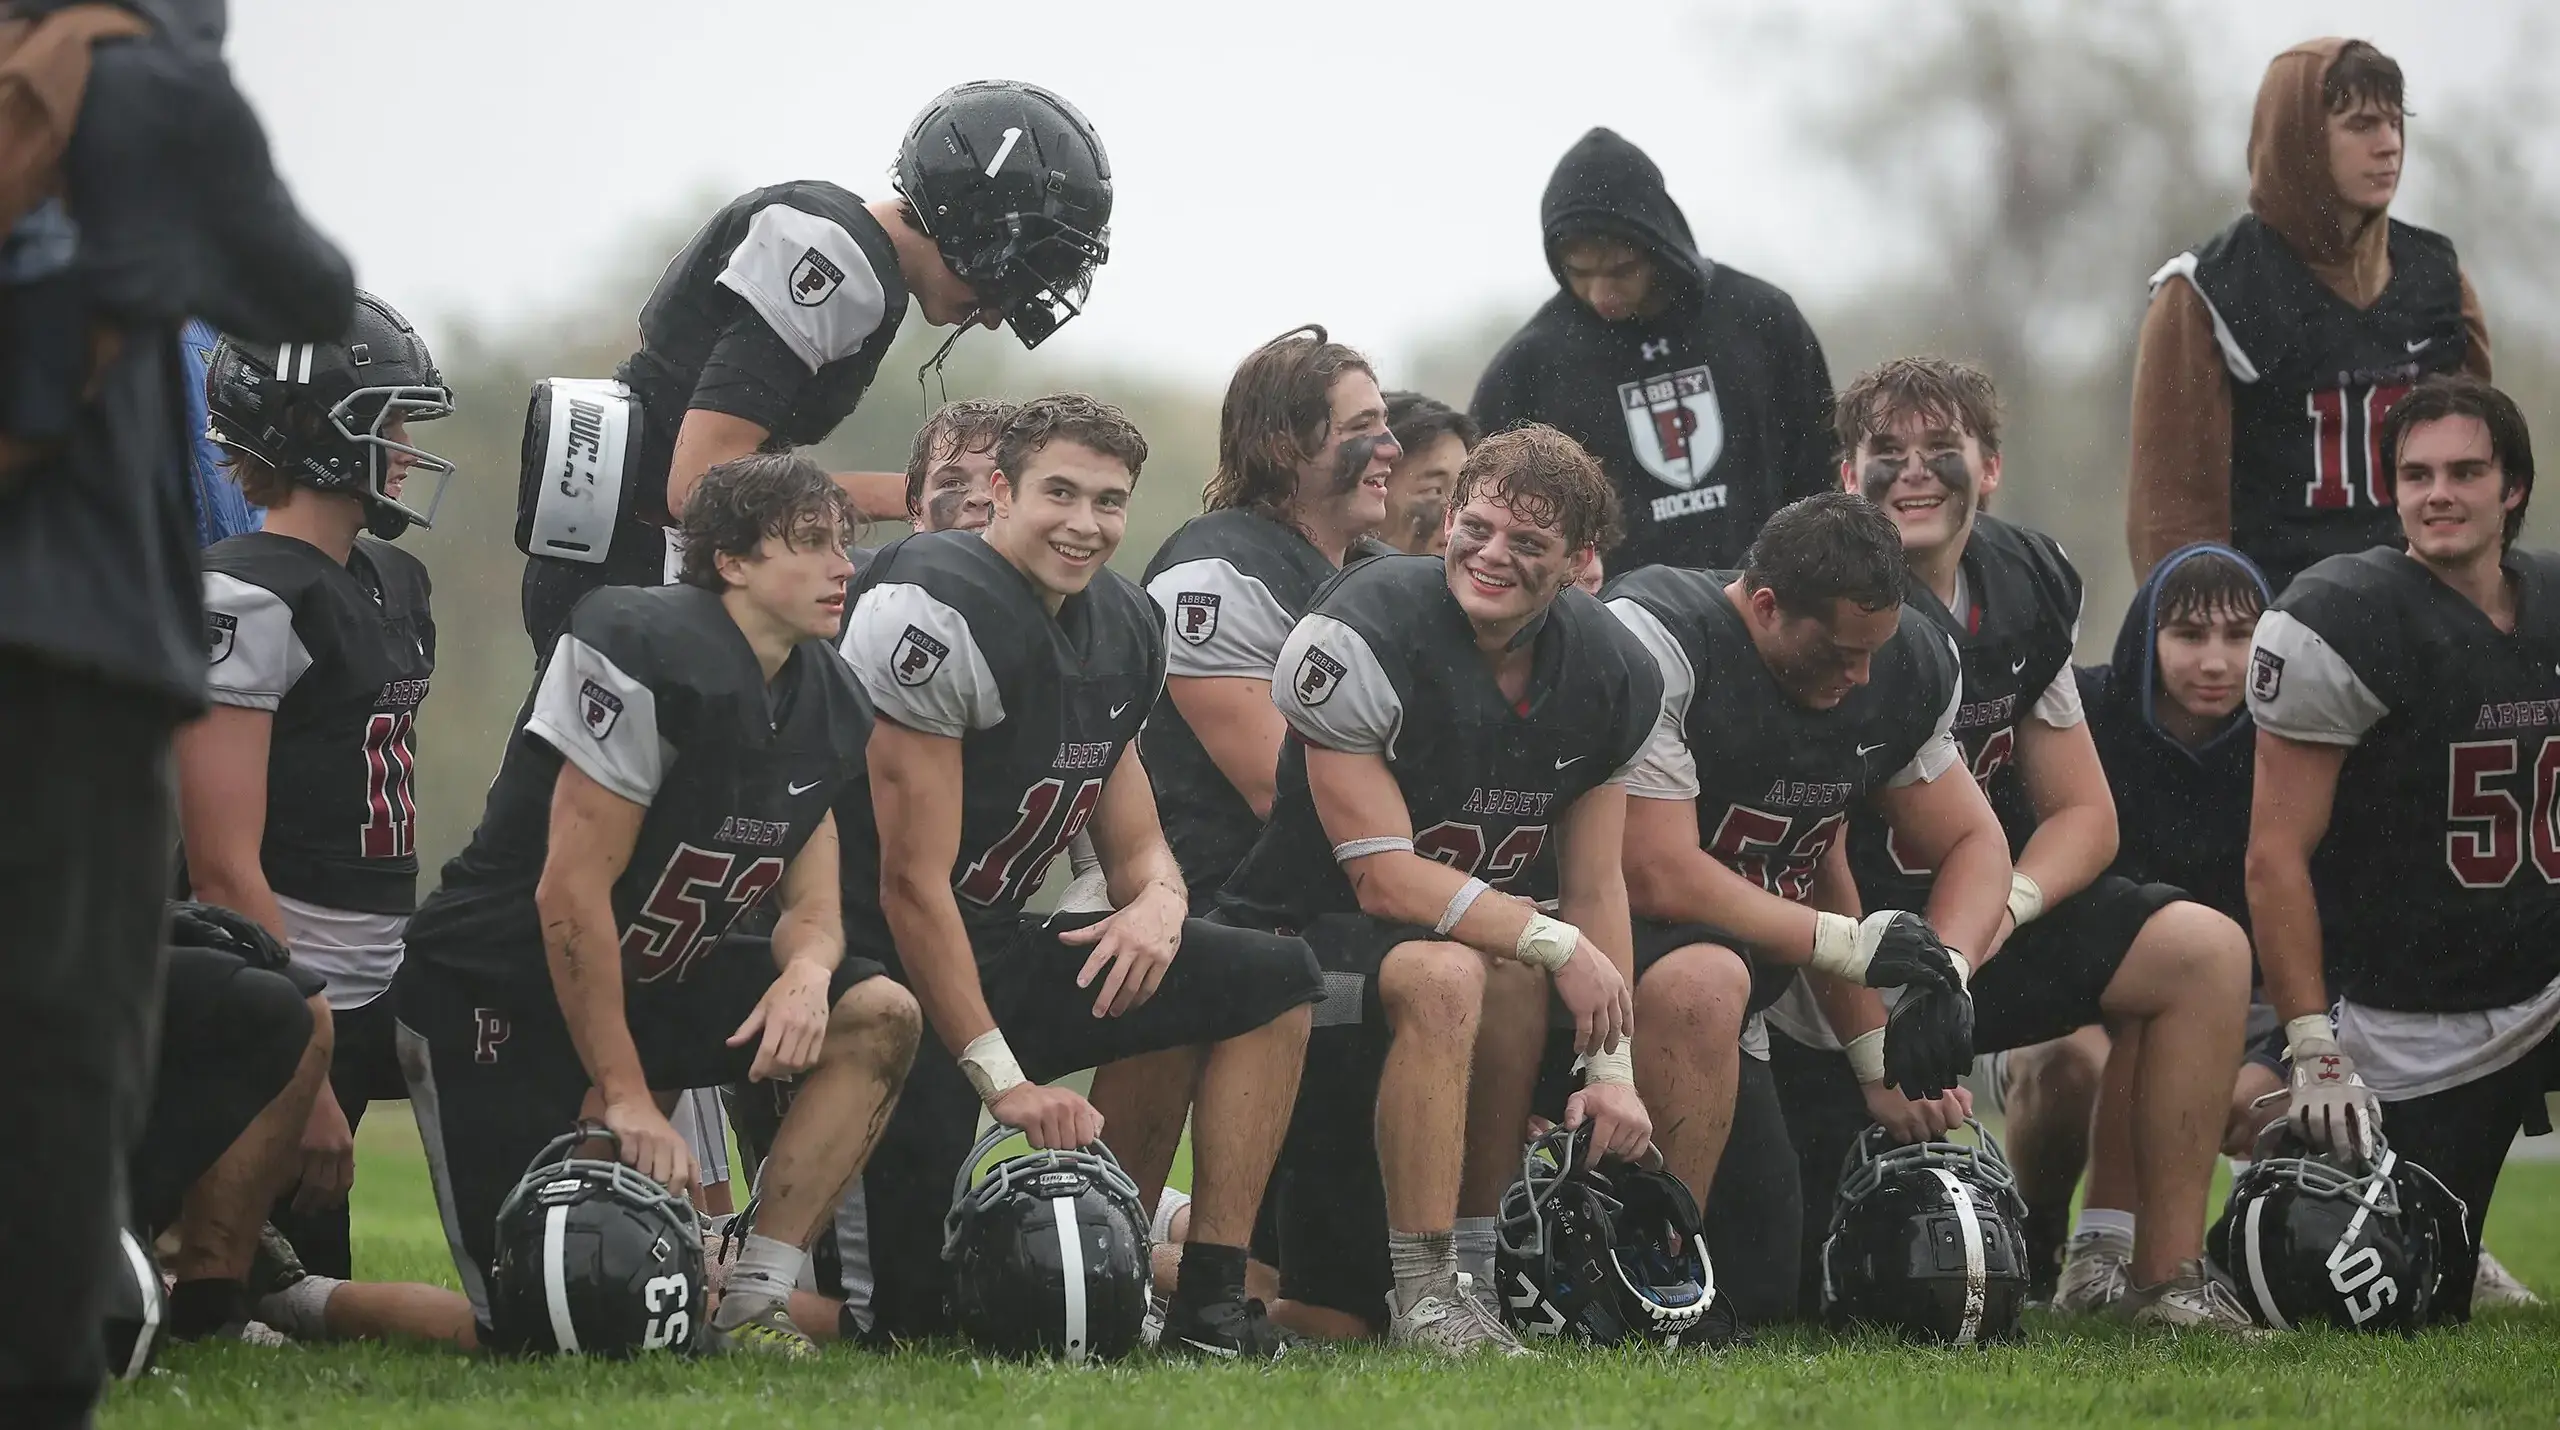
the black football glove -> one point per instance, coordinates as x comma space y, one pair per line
1928, 1039
199, 925
1890, 948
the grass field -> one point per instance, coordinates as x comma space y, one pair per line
2504, 1370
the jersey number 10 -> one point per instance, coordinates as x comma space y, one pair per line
2346, 443
390, 772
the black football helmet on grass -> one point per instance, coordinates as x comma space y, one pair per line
1048, 1253
1011, 184
594, 1258
1607, 1253
2312, 1236
1927, 1239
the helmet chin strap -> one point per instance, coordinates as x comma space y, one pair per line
934, 363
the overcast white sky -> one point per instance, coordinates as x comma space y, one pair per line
1374, 166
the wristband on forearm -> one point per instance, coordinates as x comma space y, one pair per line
1617, 1067
2026, 898
990, 1067
1459, 903
1866, 1056
2310, 1035
1547, 943
1835, 948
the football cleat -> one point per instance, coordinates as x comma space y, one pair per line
2194, 1299
759, 1325
2094, 1275
1452, 1325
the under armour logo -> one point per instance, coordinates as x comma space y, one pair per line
492, 1031
1656, 348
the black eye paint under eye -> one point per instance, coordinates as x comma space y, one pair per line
1353, 460
943, 512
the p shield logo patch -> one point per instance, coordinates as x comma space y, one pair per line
600, 708
1195, 616
2266, 673
1319, 675
814, 279
221, 634
917, 657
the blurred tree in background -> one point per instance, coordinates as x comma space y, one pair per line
2025, 168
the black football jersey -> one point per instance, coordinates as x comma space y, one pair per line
655, 694
1776, 781
2440, 875
2311, 377
1385, 663
950, 639
778, 311
2014, 640
1232, 585
342, 656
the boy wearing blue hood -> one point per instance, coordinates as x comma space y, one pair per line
1700, 389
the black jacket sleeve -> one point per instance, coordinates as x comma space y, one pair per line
1804, 409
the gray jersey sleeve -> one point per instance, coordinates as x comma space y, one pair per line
1218, 620
1333, 692
809, 281
1938, 754
253, 654
601, 719
1664, 768
919, 662
2300, 687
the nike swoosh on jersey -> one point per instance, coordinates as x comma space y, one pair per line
2017, 665
1560, 764
1866, 750
2421, 345
804, 789
1116, 709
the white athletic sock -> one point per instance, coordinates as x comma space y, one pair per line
301, 1309
2113, 1225
766, 1268
1476, 1241
1425, 1263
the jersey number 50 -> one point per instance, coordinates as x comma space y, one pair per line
2487, 832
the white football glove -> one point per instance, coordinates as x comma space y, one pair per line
2332, 1108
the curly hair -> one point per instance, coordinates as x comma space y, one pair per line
1941, 389
1277, 413
743, 501
1546, 479
1069, 417
955, 430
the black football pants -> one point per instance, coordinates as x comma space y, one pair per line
2462, 1134
231, 1038
86, 836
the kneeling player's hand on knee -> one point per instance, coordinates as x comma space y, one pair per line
1052, 1117
1603, 1006
328, 1156
1911, 1119
650, 1144
1620, 1127
1136, 945
791, 1018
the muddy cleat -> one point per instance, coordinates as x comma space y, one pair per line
276, 1266
2494, 1287
2194, 1299
2094, 1278
759, 1325
1453, 1325
1232, 1327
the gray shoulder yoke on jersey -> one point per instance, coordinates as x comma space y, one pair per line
810, 282
2301, 688
1331, 689
920, 663
1938, 753
1664, 768
2184, 266
253, 654
601, 718
1218, 620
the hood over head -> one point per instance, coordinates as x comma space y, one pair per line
193, 27
1606, 185
2133, 673
2289, 185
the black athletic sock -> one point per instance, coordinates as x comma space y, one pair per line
197, 1309
1209, 1273
2048, 1230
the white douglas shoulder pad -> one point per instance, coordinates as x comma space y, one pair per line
581, 443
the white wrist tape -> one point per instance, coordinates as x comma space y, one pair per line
990, 1066
1835, 947
1963, 968
1547, 943
1866, 1056
2026, 898
1618, 1067
1459, 903
1351, 849
2309, 1035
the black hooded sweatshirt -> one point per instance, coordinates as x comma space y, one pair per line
2182, 812
1709, 415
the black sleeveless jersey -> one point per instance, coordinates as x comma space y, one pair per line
1231, 584
2311, 377
2014, 643
1774, 780
342, 656
778, 311
2440, 875
950, 639
1385, 662
654, 693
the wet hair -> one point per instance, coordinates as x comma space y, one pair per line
263, 486
1942, 389
1068, 417
2462, 395
1277, 413
1546, 479
744, 500
2361, 72
1418, 421
1831, 546
953, 431
2209, 584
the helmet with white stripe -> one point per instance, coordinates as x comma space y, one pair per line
1927, 1239
595, 1258
1048, 1253
2317, 1237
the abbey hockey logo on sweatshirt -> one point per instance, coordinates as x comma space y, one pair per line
1677, 431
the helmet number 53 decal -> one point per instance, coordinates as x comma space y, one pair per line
670, 1324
